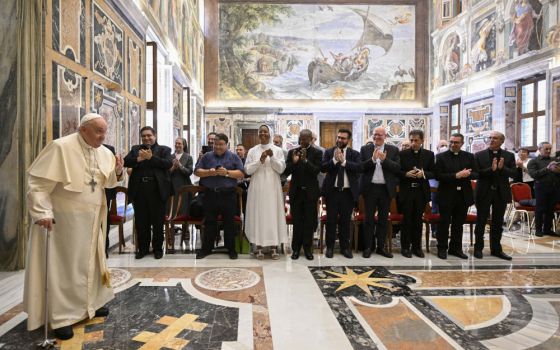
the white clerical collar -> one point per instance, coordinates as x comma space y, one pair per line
456, 153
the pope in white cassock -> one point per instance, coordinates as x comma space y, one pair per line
265, 224
66, 196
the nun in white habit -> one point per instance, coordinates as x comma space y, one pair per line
265, 223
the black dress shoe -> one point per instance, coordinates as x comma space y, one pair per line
442, 254
64, 333
539, 234
384, 253
458, 254
478, 254
202, 254
347, 254
232, 254
406, 253
308, 255
329, 253
295, 255
158, 254
418, 252
102, 312
501, 255
366, 253
139, 255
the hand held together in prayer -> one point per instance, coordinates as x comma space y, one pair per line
463, 174
144, 154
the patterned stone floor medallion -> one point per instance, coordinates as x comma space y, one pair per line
227, 279
119, 277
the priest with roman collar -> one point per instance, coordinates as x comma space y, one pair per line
66, 196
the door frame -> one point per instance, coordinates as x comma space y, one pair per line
238, 127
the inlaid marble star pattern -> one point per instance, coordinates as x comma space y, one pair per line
362, 280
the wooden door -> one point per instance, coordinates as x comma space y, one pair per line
249, 138
329, 130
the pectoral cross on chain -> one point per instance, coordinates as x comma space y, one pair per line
92, 183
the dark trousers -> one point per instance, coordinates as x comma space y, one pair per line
413, 205
219, 203
546, 197
303, 208
376, 197
452, 212
339, 205
149, 210
498, 204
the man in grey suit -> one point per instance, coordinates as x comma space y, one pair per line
181, 172
380, 166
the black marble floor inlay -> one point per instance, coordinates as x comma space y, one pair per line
152, 311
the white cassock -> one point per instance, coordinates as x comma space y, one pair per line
265, 224
59, 187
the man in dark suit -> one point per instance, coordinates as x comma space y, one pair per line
380, 166
417, 166
341, 190
149, 188
110, 195
454, 170
304, 163
495, 167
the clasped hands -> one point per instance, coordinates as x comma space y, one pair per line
415, 173
176, 165
497, 164
299, 155
144, 154
463, 173
339, 156
378, 154
219, 171
267, 153
554, 167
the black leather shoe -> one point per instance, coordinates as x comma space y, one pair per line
442, 254
384, 253
64, 333
478, 254
418, 252
202, 254
406, 253
295, 255
308, 255
232, 254
158, 254
102, 312
366, 253
329, 253
501, 255
139, 255
347, 254
458, 254
539, 234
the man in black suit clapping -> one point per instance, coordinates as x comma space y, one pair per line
380, 165
495, 166
454, 170
340, 188
303, 163
417, 166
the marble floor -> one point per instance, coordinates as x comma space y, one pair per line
179, 302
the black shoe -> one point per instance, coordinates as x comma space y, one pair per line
102, 312
64, 333
308, 255
406, 253
418, 252
442, 254
295, 255
539, 234
232, 254
366, 253
347, 254
158, 254
329, 253
139, 255
459, 254
501, 255
478, 254
202, 254
384, 253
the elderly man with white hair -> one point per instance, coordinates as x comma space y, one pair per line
66, 197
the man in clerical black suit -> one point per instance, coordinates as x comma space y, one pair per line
417, 167
303, 163
149, 188
380, 166
341, 190
454, 170
495, 167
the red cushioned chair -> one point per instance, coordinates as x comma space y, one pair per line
180, 218
521, 191
428, 218
118, 220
